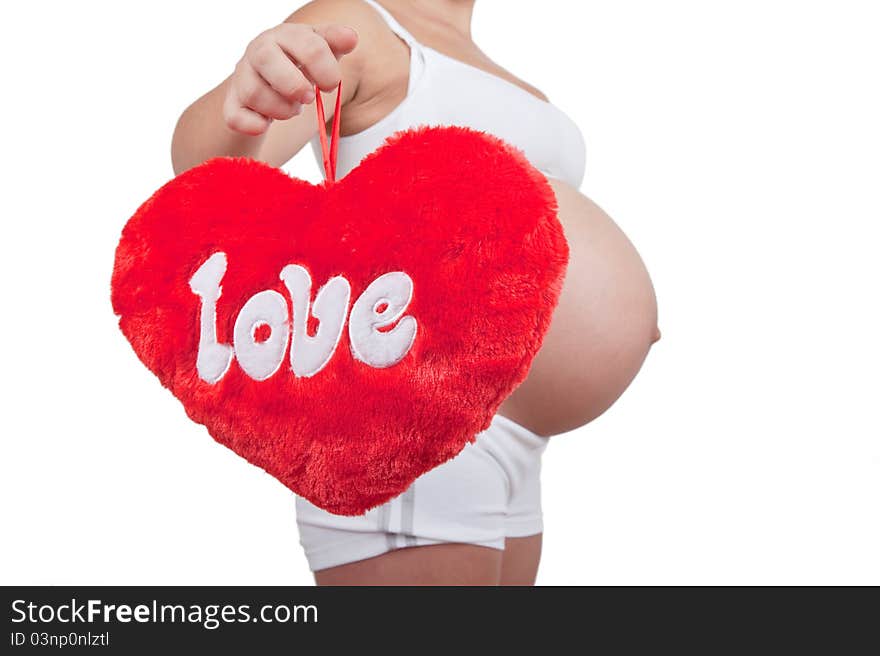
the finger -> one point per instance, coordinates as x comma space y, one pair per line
275, 67
311, 53
341, 38
255, 93
244, 120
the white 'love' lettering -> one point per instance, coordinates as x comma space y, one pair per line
267, 310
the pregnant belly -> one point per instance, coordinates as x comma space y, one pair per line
601, 331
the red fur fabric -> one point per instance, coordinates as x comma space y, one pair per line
470, 221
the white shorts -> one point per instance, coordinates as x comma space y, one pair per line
488, 492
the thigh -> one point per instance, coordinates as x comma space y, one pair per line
519, 563
602, 328
440, 564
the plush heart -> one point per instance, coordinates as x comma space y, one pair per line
446, 259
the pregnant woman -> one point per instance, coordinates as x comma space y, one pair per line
476, 519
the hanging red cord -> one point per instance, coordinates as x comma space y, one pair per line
329, 150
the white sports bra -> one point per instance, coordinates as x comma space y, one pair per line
446, 91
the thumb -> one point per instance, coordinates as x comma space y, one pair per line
341, 38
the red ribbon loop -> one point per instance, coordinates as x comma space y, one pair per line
329, 150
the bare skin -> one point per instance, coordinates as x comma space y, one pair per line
606, 320
443, 564
606, 317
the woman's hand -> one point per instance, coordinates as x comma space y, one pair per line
279, 71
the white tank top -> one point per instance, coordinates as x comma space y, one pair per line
446, 91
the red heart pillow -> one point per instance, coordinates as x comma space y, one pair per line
350, 336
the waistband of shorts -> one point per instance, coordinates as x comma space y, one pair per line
520, 430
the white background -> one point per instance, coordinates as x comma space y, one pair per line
736, 143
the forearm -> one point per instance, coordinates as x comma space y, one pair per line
202, 133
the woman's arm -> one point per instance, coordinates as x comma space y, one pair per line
265, 108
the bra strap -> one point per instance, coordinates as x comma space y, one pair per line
396, 27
